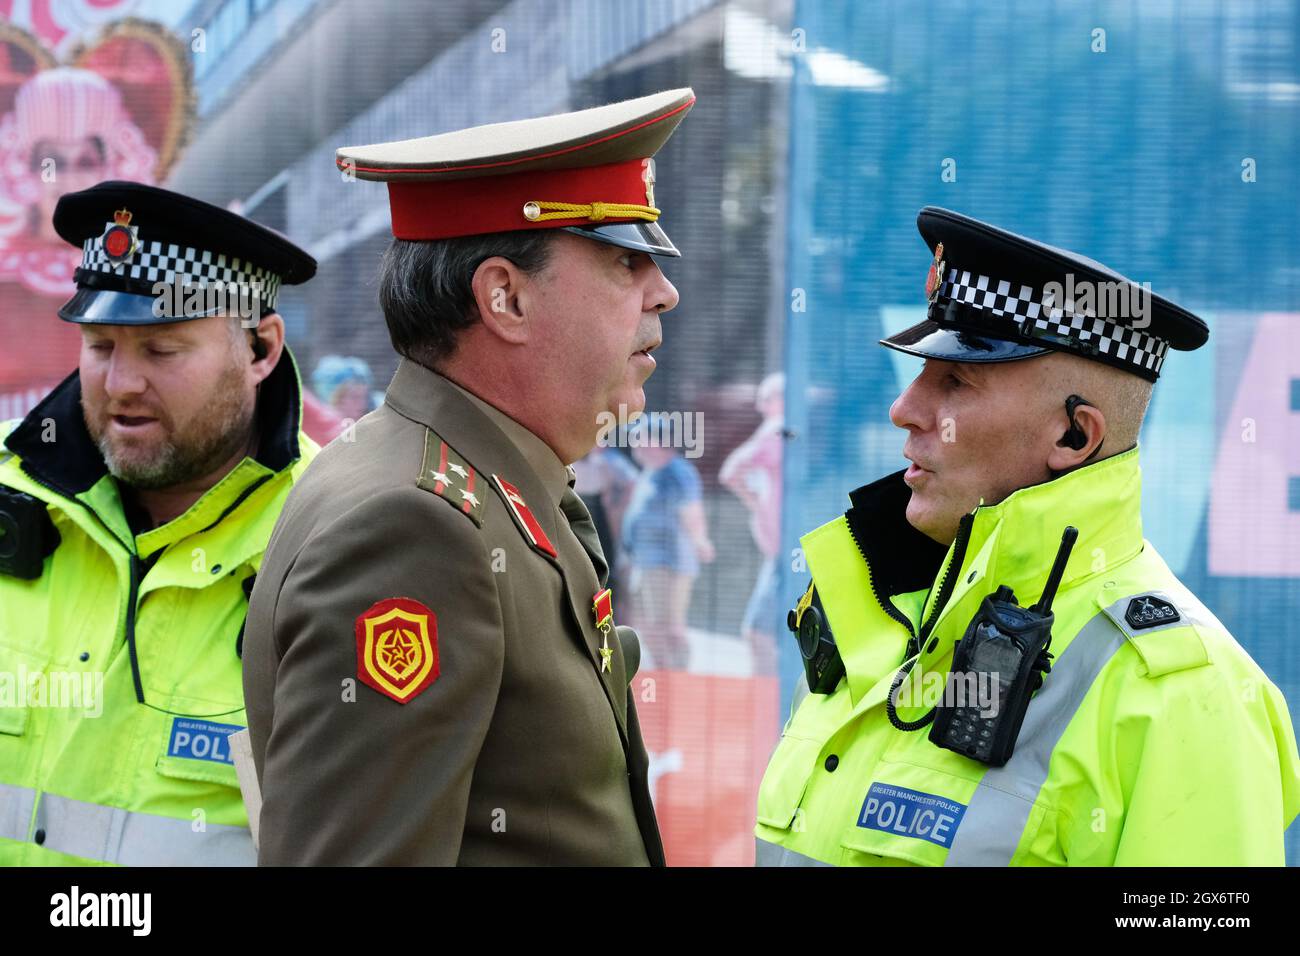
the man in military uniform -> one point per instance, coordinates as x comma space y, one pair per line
135, 503
1152, 739
433, 672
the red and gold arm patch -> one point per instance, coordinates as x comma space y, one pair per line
397, 648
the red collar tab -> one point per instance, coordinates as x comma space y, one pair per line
524, 517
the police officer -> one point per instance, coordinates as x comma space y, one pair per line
434, 674
136, 500
1153, 738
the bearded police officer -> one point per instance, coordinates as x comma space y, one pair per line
1152, 739
433, 671
135, 503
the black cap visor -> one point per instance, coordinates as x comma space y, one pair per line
929, 339
110, 307
642, 236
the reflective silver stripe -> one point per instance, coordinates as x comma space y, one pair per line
112, 835
999, 810
769, 854
15, 811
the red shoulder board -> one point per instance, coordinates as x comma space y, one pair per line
524, 517
397, 648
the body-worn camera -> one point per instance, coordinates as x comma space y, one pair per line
27, 535
1004, 651
823, 667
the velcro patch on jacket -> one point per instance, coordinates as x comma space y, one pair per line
1166, 637
1147, 610
452, 478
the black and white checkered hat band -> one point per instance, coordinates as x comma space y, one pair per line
1036, 317
169, 262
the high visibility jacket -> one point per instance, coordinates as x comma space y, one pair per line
120, 674
1154, 740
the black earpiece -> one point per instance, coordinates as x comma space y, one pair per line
1075, 437
259, 347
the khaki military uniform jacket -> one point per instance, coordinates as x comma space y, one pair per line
423, 672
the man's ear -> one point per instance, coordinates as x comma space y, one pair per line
498, 285
269, 335
1088, 432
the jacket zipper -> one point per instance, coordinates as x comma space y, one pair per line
886, 605
946, 584
68, 496
949, 581
132, 597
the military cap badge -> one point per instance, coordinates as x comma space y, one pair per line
119, 239
934, 279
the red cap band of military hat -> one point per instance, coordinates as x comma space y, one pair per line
431, 209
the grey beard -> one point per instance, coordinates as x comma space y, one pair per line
149, 476
174, 465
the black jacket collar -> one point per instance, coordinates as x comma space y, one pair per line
902, 559
72, 463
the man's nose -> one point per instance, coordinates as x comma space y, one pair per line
125, 376
662, 293
909, 409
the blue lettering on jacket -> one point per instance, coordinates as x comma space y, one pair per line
201, 740
911, 813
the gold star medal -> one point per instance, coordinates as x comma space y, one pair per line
603, 607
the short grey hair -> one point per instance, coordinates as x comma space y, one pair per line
1122, 396
426, 291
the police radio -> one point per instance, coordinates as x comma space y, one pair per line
27, 535
1006, 647
823, 667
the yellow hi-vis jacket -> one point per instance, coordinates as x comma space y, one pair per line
120, 671
1154, 740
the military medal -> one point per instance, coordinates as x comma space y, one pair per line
934, 278
603, 607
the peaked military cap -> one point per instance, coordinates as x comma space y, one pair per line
996, 297
134, 236
590, 172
